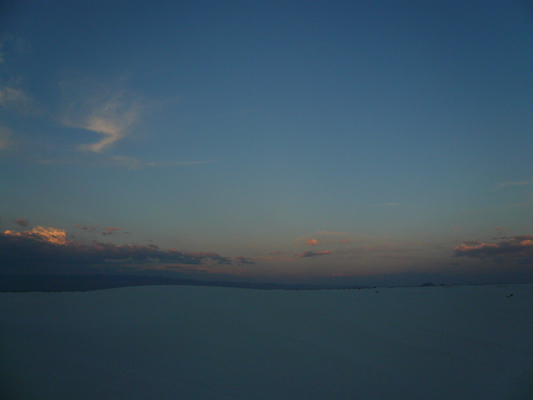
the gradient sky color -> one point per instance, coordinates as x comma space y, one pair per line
266, 140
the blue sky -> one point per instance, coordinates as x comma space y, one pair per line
294, 140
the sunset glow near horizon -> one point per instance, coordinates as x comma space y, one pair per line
373, 142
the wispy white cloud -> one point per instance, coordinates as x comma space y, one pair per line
5, 138
109, 111
17, 46
103, 161
134, 163
526, 182
11, 97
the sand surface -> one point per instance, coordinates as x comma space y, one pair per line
184, 342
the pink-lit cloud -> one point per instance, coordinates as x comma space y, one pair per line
517, 248
312, 242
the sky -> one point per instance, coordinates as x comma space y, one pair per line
283, 141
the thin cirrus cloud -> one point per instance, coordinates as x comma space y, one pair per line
515, 248
5, 137
135, 164
47, 250
18, 100
109, 121
526, 182
14, 98
105, 110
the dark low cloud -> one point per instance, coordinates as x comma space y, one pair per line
46, 250
517, 248
103, 232
211, 255
244, 260
110, 231
315, 253
22, 222
86, 228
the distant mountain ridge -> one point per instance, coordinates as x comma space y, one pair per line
88, 282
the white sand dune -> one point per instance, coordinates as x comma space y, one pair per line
183, 342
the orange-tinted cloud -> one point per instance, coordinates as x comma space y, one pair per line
47, 250
47, 234
312, 242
